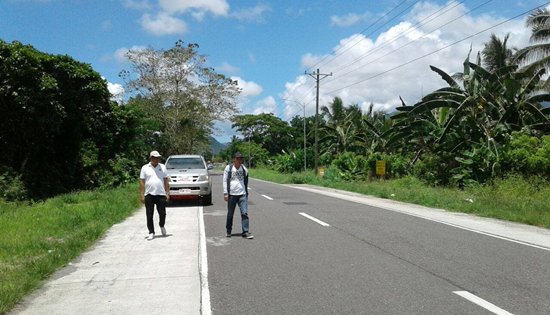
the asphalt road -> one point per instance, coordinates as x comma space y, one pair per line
315, 254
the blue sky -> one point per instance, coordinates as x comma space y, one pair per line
375, 50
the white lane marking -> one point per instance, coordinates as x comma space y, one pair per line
203, 268
314, 219
267, 197
481, 302
374, 202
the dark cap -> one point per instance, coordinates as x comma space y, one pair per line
238, 155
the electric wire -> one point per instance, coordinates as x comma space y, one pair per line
404, 45
363, 31
440, 49
412, 28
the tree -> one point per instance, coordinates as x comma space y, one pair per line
58, 121
341, 127
182, 94
268, 130
497, 56
536, 56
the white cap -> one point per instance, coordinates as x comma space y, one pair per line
154, 154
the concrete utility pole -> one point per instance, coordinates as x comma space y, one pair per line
318, 77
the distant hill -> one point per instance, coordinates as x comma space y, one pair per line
216, 145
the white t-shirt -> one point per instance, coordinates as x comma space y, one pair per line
154, 179
236, 184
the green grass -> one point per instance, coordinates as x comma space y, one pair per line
38, 239
514, 199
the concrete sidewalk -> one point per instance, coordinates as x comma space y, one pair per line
126, 274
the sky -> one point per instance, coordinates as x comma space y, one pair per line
366, 52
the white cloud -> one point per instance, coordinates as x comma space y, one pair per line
163, 24
348, 19
362, 69
248, 88
227, 68
252, 14
117, 91
141, 5
107, 25
120, 54
216, 7
266, 105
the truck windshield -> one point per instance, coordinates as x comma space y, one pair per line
185, 163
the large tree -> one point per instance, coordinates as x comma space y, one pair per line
184, 95
267, 130
58, 122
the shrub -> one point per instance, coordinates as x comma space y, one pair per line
350, 165
12, 187
289, 162
527, 155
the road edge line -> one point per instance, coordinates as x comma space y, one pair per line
203, 267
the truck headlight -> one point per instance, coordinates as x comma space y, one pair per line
203, 178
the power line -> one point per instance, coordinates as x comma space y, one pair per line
407, 44
438, 50
387, 13
410, 29
363, 31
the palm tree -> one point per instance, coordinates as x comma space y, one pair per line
497, 56
341, 126
536, 56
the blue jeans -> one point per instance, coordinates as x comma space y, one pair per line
232, 202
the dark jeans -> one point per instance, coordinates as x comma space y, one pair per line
232, 202
150, 202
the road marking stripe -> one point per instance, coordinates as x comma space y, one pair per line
481, 302
396, 209
203, 268
267, 197
314, 219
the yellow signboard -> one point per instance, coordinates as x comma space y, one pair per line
381, 168
321, 171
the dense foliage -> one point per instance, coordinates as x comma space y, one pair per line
60, 131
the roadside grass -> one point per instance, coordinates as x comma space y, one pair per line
513, 199
39, 238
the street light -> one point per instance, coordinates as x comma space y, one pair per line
304, 108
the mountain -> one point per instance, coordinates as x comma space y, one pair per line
216, 145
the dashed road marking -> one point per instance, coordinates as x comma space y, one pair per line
481, 302
314, 219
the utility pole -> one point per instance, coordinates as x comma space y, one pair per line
318, 77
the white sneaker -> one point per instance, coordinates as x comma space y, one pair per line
151, 236
163, 230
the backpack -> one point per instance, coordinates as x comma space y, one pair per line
245, 179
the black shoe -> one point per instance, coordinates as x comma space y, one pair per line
228, 234
248, 235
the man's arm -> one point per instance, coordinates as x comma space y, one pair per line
224, 181
142, 190
167, 187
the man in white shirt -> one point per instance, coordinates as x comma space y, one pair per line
154, 190
235, 191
